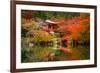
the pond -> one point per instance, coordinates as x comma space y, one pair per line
40, 53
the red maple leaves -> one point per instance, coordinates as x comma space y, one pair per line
73, 25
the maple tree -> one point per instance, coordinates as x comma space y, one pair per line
74, 26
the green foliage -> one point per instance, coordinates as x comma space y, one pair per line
23, 32
26, 55
58, 52
53, 15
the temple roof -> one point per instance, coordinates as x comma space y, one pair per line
52, 22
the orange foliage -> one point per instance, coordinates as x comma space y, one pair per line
73, 25
65, 37
65, 49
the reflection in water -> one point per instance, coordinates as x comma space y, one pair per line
55, 51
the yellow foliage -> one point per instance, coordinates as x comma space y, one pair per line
42, 54
84, 15
42, 36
